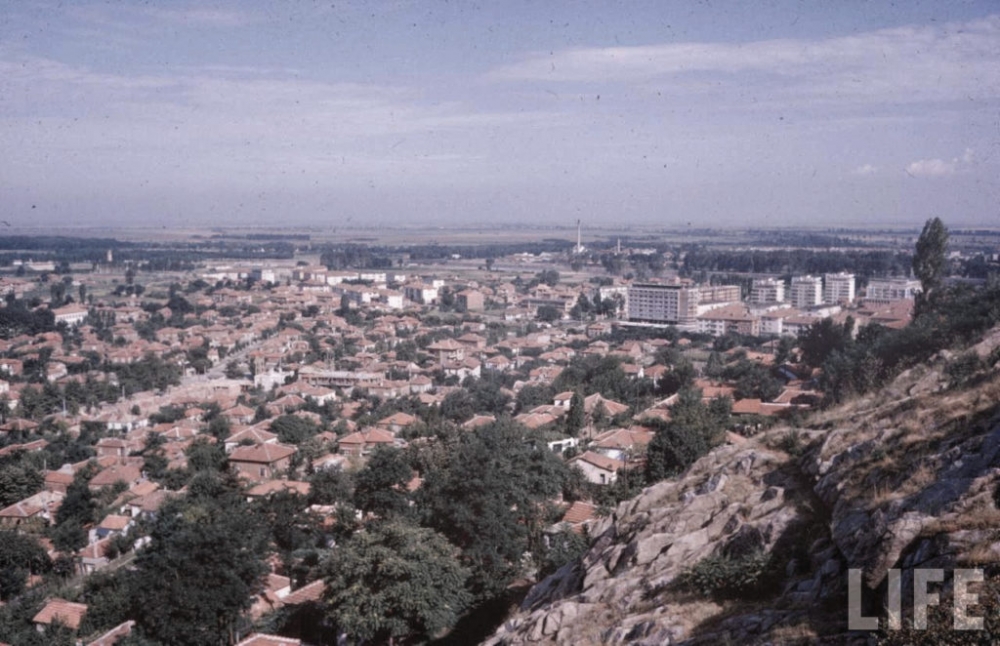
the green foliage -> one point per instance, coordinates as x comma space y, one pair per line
486, 498
291, 526
292, 429
202, 567
561, 548
20, 555
77, 510
930, 256
17, 319
821, 340
963, 367
394, 580
203, 455
330, 486
18, 481
791, 442
109, 601
723, 577
380, 487
693, 430
576, 416
532, 395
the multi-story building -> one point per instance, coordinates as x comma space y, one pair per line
767, 291
887, 290
652, 303
807, 291
677, 304
838, 288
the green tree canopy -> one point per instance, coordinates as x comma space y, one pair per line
930, 257
487, 497
201, 569
394, 580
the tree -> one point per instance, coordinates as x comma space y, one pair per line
394, 580
821, 340
694, 428
202, 567
548, 313
487, 498
930, 256
380, 488
20, 555
576, 416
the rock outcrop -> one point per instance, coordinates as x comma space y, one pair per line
904, 478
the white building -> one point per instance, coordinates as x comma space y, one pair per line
767, 291
651, 303
420, 293
838, 288
887, 290
807, 291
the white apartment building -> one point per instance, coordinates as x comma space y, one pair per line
887, 290
651, 303
838, 288
807, 291
420, 293
767, 291
677, 304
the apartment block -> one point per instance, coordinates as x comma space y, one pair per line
807, 291
838, 288
767, 291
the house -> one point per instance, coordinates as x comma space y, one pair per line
563, 400
60, 611
94, 556
576, 518
448, 350
597, 468
111, 637
623, 443
127, 473
70, 315
258, 639
250, 436
38, 509
262, 461
112, 525
470, 300
396, 422
596, 401
364, 442
499, 363
271, 487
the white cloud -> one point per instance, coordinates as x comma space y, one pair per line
931, 168
906, 64
939, 167
865, 169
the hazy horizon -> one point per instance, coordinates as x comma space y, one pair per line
717, 114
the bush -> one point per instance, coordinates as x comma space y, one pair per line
724, 577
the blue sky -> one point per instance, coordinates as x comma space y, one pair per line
844, 113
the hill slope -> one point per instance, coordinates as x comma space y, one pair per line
902, 478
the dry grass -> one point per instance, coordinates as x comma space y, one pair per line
980, 554
972, 520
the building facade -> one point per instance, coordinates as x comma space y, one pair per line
838, 288
807, 291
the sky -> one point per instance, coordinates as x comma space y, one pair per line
541, 112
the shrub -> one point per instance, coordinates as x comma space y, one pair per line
725, 577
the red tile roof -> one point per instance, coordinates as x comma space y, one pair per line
59, 610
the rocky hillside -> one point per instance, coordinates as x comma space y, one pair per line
753, 543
